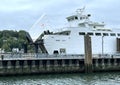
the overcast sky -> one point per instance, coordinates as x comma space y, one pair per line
22, 14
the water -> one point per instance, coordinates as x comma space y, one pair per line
112, 78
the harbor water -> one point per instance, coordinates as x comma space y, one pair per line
105, 78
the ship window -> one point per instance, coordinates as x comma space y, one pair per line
76, 17
86, 17
80, 18
94, 26
57, 40
112, 34
98, 34
105, 34
90, 33
55, 52
63, 33
68, 19
118, 34
81, 33
72, 18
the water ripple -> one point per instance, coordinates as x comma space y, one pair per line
64, 79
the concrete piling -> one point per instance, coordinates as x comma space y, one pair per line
9, 65
55, 63
63, 63
33, 66
96, 62
48, 65
26, 66
115, 62
18, 67
70, 62
40, 64
109, 62
103, 64
77, 63
1, 67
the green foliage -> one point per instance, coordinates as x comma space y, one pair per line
12, 39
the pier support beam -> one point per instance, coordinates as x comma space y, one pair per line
48, 65
1, 67
70, 63
25, 48
88, 54
40, 65
36, 48
103, 64
109, 62
77, 63
96, 62
18, 68
63, 63
115, 62
56, 63
33, 66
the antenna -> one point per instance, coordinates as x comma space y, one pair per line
80, 11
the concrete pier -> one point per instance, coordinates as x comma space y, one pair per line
29, 64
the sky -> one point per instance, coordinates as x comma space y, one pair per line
51, 14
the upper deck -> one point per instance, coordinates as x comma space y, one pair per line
82, 20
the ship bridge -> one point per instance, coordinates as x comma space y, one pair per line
79, 19
82, 20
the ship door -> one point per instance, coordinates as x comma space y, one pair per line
118, 45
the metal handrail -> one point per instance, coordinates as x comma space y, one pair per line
56, 56
37, 56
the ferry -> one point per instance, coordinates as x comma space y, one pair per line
70, 40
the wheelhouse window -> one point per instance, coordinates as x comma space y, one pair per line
112, 34
76, 18
81, 33
81, 18
118, 34
70, 19
62, 33
105, 34
57, 40
90, 33
98, 34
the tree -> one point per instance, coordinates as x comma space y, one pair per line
10, 39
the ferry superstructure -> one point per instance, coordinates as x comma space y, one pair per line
70, 40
